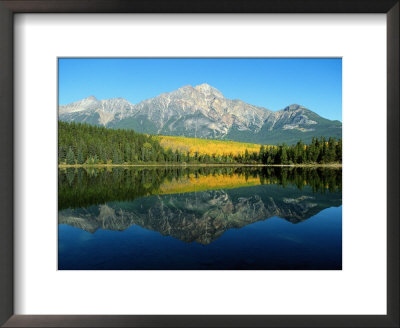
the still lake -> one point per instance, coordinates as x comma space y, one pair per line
212, 218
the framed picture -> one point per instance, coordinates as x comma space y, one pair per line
185, 169
194, 178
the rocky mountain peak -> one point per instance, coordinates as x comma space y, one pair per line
86, 104
208, 90
200, 91
184, 91
292, 107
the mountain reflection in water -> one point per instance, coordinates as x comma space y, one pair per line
193, 204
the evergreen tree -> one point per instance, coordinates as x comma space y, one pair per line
246, 156
331, 151
283, 157
79, 158
116, 157
146, 151
338, 155
70, 157
262, 154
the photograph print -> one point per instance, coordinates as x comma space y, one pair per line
199, 164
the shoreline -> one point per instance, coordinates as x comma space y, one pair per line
332, 165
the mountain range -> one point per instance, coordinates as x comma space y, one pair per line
203, 112
202, 216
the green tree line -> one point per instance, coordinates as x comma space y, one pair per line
82, 187
319, 151
86, 144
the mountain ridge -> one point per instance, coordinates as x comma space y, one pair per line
203, 221
202, 111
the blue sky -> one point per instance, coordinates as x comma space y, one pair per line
273, 83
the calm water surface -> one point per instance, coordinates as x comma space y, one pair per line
200, 218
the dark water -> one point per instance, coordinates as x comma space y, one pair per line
200, 218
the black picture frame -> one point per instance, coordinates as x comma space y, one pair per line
10, 7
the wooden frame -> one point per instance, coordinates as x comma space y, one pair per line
7, 10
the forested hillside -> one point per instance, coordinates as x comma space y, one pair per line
82, 143
87, 144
